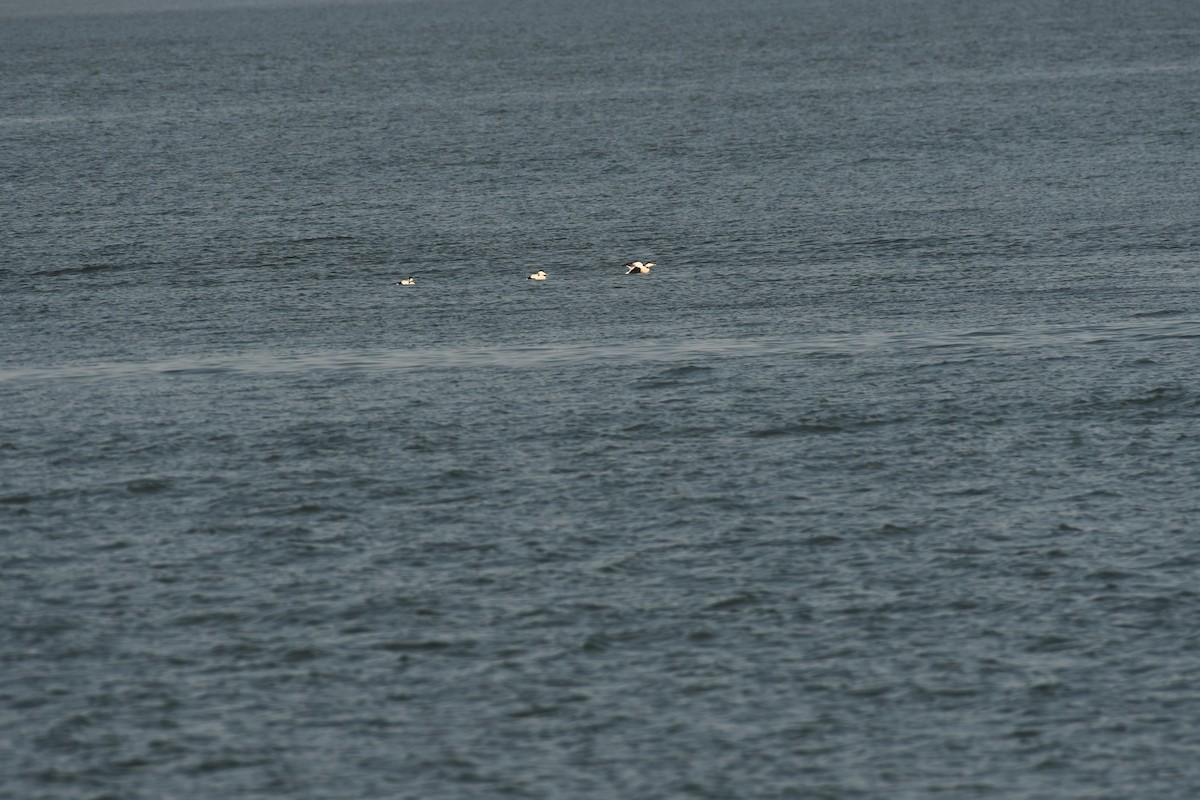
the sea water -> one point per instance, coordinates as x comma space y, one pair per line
881, 484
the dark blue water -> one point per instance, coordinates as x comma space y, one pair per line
881, 484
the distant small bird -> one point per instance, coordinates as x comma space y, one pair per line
540, 275
637, 267
409, 281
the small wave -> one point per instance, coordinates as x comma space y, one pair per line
796, 429
46, 120
734, 602
688, 369
881, 160
822, 425
197, 370
327, 238
1164, 396
147, 485
1150, 402
427, 646
86, 269
674, 376
223, 763
967, 243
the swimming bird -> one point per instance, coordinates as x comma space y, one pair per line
638, 267
409, 281
540, 275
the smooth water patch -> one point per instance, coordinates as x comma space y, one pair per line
1147, 332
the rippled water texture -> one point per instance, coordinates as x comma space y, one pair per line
880, 485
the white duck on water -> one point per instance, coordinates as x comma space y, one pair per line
637, 267
409, 281
540, 275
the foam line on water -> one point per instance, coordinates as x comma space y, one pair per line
528, 356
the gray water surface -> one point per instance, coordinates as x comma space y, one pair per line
880, 485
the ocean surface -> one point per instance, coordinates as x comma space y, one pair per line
882, 484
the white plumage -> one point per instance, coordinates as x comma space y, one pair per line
638, 268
